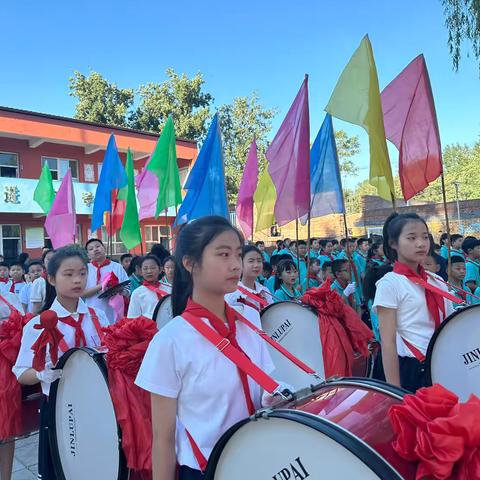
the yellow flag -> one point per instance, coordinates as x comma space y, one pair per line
264, 200
356, 99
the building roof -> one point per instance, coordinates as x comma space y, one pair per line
39, 128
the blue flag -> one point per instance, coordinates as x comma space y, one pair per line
206, 191
325, 182
113, 176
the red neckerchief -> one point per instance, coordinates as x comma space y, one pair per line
155, 287
434, 299
312, 276
12, 286
228, 332
350, 297
99, 267
255, 296
4, 280
80, 340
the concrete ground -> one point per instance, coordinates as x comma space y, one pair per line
25, 462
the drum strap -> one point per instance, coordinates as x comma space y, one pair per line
155, 289
9, 305
254, 296
416, 352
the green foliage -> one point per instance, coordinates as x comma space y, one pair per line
347, 147
99, 100
462, 19
242, 121
179, 96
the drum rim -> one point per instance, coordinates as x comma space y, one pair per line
52, 434
372, 383
158, 305
436, 333
300, 304
355, 445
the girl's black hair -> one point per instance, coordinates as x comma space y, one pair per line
168, 259
251, 248
134, 264
150, 257
372, 276
443, 238
44, 254
192, 240
372, 251
54, 264
267, 267
36, 262
159, 251
392, 230
283, 266
91, 240
23, 258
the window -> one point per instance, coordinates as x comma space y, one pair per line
156, 234
10, 241
183, 172
59, 167
117, 244
8, 164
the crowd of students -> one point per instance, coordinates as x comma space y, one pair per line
219, 283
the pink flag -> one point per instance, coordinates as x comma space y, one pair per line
289, 161
246, 191
147, 193
61, 222
411, 125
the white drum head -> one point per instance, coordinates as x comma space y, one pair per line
296, 328
281, 448
453, 356
163, 311
84, 431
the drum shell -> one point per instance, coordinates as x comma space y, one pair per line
358, 406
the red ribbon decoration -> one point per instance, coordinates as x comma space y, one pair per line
50, 336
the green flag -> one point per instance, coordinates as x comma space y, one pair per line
163, 164
44, 193
130, 231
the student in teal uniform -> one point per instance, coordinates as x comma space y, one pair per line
314, 250
274, 261
375, 255
327, 271
471, 248
430, 264
456, 278
327, 249
285, 280
444, 245
342, 255
313, 272
298, 252
261, 246
360, 256
279, 247
266, 273
135, 274
343, 284
456, 241
336, 248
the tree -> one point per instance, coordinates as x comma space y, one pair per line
241, 121
99, 100
462, 19
347, 147
179, 96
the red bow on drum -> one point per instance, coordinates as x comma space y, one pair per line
439, 433
50, 336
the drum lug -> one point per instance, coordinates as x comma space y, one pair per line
264, 413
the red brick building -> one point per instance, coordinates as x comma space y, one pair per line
30, 139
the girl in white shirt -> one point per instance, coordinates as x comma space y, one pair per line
80, 326
249, 291
409, 309
189, 378
144, 299
169, 269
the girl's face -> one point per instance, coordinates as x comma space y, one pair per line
252, 265
150, 270
289, 277
343, 275
71, 278
315, 268
457, 244
413, 243
16, 272
169, 268
220, 267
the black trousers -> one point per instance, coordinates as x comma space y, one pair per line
187, 473
45, 464
412, 373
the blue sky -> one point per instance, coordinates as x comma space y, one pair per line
265, 46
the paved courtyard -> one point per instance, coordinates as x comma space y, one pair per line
25, 463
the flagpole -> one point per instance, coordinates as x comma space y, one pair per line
309, 247
168, 229
298, 256
447, 222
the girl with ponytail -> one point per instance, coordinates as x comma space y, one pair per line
188, 376
410, 303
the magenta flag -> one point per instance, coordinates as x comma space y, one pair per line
147, 193
61, 222
289, 161
411, 125
247, 188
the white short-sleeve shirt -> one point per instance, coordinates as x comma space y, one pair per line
30, 335
99, 303
5, 309
143, 301
180, 363
264, 292
17, 289
414, 322
38, 290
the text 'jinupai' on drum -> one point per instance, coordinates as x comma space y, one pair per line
339, 429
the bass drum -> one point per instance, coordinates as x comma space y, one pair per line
84, 435
163, 311
453, 354
339, 429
